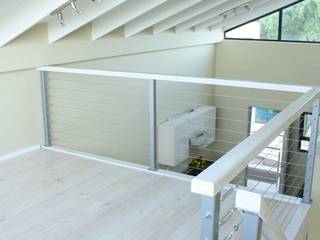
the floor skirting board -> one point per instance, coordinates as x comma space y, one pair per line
120, 163
18, 153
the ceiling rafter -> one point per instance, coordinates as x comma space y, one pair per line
209, 14
206, 24
28, 14
185, 15
156, 15
122, 15
217, 19
135, 15
89, 11
261, 9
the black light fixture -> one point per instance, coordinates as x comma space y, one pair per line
60, 18
74, 7
75, 10
248, 7
97, 1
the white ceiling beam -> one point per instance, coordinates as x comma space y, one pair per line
158, 14
220, 20
258, 10
209, 14
185, 15
89, 11
122, 15
208, 23
24, 17
217, 19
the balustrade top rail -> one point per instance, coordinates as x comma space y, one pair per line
219, 174
182, 79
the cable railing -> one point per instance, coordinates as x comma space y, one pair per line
282, 187
207, 128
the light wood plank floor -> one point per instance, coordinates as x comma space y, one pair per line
47, 195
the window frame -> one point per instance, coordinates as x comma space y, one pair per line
280, 26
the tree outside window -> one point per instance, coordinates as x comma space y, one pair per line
298, 22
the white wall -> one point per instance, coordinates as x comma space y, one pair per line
21, 124
31, 49
119, 127
19, 110
291, 63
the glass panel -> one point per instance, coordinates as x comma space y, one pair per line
301, 22
264, 28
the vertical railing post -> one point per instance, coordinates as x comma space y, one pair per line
210, 216
284, 159
252, 227
45, 110
311, 152
153, 125
246, 170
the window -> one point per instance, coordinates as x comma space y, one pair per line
265, 28
299, 22
305, 130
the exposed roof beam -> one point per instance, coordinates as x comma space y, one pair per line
158, 14
208, 23
209, 14
24, 17
217, 19
89, 11
258, 11
185, 15
122, 15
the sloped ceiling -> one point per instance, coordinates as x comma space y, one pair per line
7, 6
133, 16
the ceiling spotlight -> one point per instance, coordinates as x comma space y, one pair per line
97, 1
74, 7
235, 12
224, 17
247, 7
60, 18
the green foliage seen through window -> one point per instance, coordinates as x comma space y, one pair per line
300, 22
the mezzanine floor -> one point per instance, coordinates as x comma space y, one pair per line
50, 195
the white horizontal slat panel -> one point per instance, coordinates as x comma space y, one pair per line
209, 14
158, 14
121, 15
185, 15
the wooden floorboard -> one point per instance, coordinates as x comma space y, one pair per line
49, 195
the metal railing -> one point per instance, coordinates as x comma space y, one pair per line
89, 110
210, 182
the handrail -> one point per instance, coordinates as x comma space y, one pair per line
183, 79
214, 178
